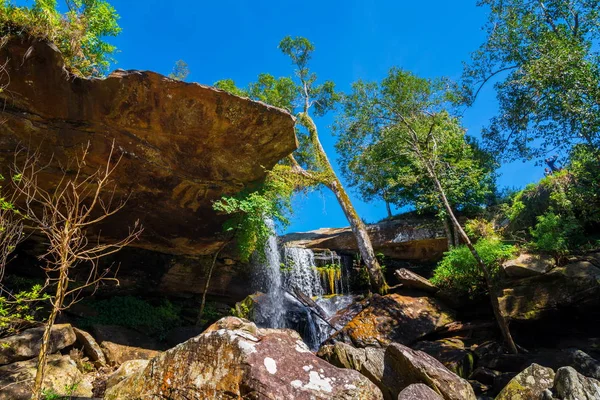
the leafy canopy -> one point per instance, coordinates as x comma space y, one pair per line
389, 130
79, 33
544, 54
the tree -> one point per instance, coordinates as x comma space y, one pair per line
310, 164
544, 57
406, 115
370, 161
180, 71
64, 215
79, 33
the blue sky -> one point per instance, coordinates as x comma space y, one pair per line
354, 40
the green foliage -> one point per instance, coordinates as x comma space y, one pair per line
134, 313
79, 33
546, 61
459, 270
554, 233
180, 71
69, 391
23, 305
479, 228
252, 209
391, 130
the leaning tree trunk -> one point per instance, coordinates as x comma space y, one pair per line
359, 229
484, 268
362, 238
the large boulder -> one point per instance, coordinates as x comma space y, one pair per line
183, 145
26, 345
571, 385
368, 361
576, 284
528, 384
126, 369
120, 344
394, 318
62, 377
411, 237
413, 366
235, 359
526, 265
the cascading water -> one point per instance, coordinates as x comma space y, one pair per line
273, 312
300, 270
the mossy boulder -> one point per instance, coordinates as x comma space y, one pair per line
529, 384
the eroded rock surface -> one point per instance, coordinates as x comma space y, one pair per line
418, 391
394, 318
183, 144
26, 344
234, 359
410, 237
576, 284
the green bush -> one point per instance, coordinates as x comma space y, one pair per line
459, 271
554, 233
78, 34
134, 313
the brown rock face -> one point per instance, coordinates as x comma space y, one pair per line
183, 145
235, 360
409, 237
394, 318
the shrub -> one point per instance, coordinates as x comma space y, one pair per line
459, 271
554, 233
78, 34
23, 305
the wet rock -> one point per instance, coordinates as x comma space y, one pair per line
418, 391
576, 284
126, 369
413, 366
184, 145
61, 376
450, 352
234, 359
529, 384
91, 348
394, 318
527, 265
410, 280
368, 361
571, 385
26, 344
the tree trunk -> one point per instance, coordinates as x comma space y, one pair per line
486, 273
456, 235
207, 284
362, 238
365, 247
61, 289
388, 208
448, 231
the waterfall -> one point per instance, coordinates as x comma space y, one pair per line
317, 274
300, 271
274, 311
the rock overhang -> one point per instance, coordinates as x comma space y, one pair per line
183, 145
